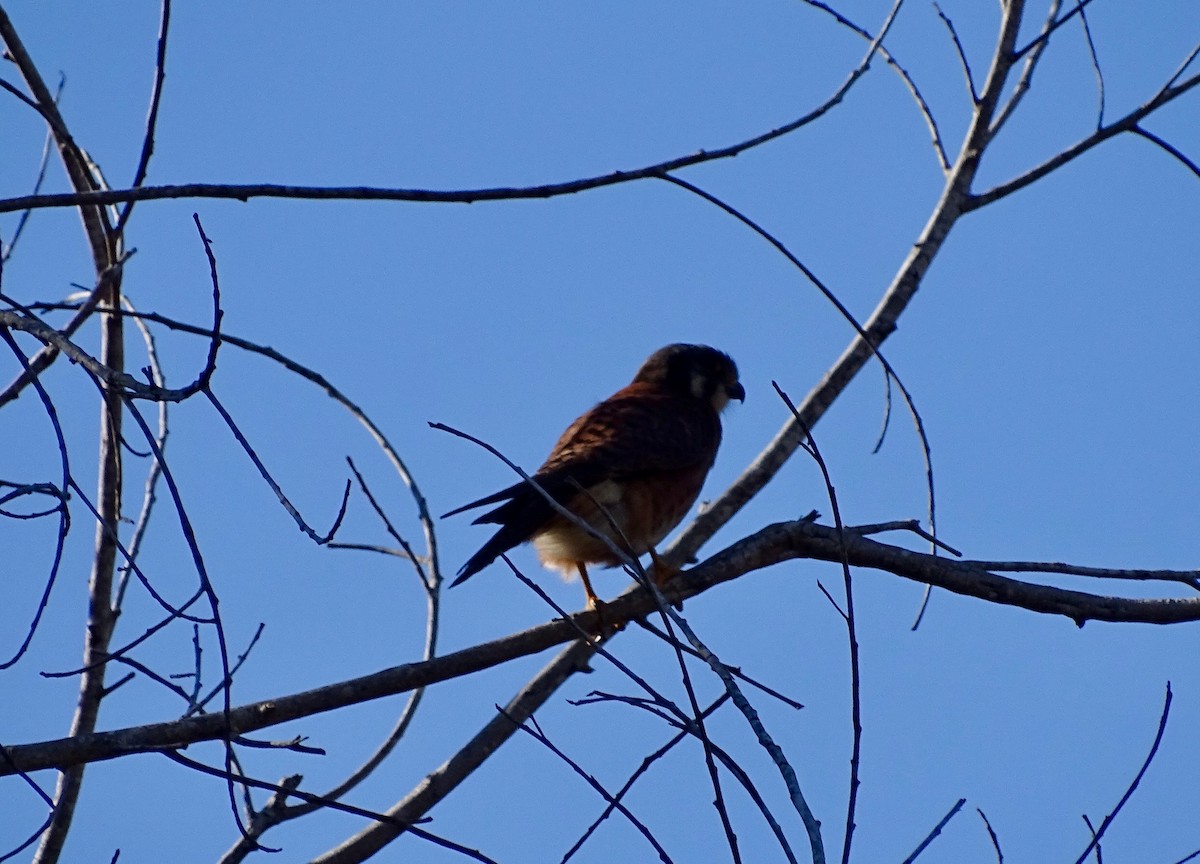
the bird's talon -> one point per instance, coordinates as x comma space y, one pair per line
604, 627
635, 433
663, 572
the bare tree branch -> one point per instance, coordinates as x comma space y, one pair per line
882, 321
532, 728
1128, 123
962, 54
1035, 51
43, 164
64, 521
160, 69
939, 149
937, 829
1091, 44
1108, 820
771, 545
1168, 147
101, 618
991, 836
292, 789
244, 192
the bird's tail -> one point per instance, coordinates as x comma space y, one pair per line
503, 540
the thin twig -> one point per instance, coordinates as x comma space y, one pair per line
277, 812
1167, 146
1035, 49
645, 765
771, 545
160, 69
733, 670
1190, 578
939, 149
730, 765
1052, 24
43, 163
206, 587
244, 192
903, 525
292, 790
101, 618
883, 320
48, 352
319, 539
149, 493
1095, 839
991, 836
338, 396
1128, 123
918, 421
851, 630
962, 54
64, 517
1158, 736
1091, 44
937, 829
531, 727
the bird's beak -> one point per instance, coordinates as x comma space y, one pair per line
736, 391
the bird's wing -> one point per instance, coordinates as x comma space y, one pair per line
637, 432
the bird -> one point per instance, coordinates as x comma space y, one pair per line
630, 469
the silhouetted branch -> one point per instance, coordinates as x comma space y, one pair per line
771, 545
633, 778
1036, 49
1052, 24
867, 340
1191, 578
319, 539
1158, 736
114, 379
991, 836
291, 789
1168, 147
1091, 44
64, 513
43, 163
532, 728
101, 617
150, 487
937, 829
160, 69
810, 446
962, 54
49, 352
244, 192
277, 812
883, 319
923, 106
735, 671
1128, 123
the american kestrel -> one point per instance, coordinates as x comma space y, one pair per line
637, 460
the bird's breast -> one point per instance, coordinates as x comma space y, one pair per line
634, 514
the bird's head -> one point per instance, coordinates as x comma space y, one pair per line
697, 371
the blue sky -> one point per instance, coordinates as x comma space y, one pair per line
1051, 350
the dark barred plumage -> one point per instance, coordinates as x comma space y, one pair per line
641, 455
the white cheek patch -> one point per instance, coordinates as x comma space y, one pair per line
699, 385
